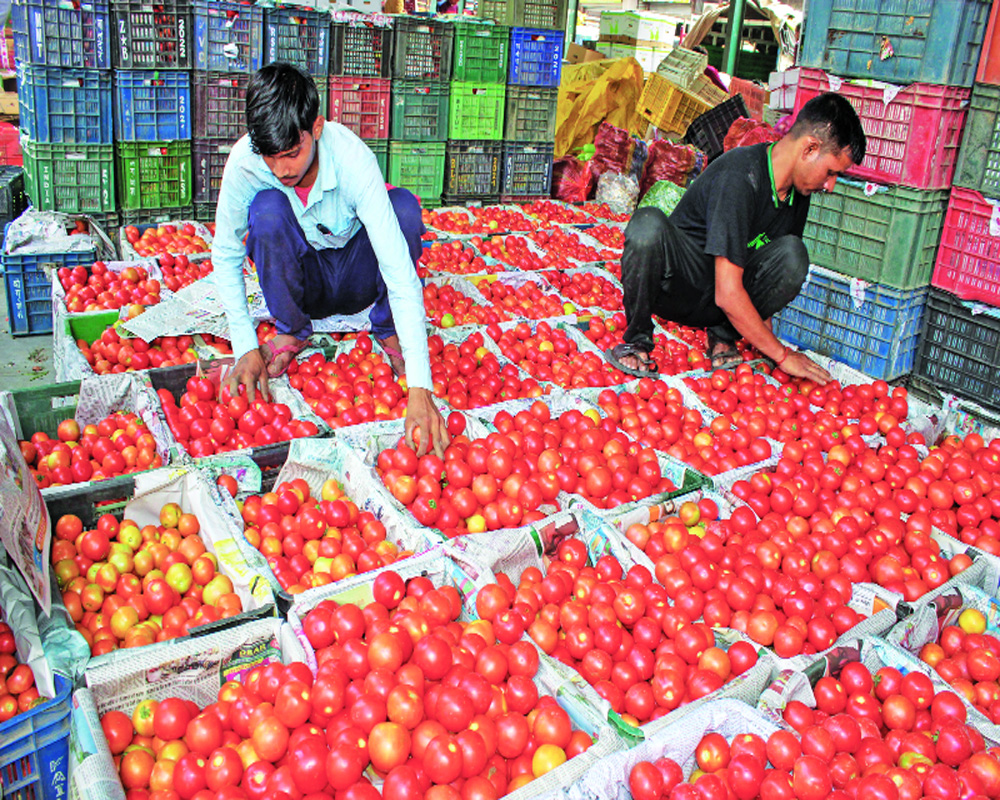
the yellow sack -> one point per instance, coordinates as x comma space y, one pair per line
593, 92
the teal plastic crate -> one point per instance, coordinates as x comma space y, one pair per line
480, 52
979, 157
419, 167
154, 174
419, 111
65, 106
475, 111
380, 147
73, 178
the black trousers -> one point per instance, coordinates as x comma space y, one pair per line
664, 272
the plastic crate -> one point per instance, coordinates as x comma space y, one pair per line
535, 57
524, 13
754, 96
34, 748
380, 148
74, 178
220, 106
209, 160
527, 170
932, 42
530, 114
472, 170
481, 50
669, 107
421, 49
361, 105
157, 216
681, 66
873, 328
420, 111
62, 34
968, 260
419, 167
13, 198
880, 234
204, 212
152, 35
708, 131
960, 350
913, 132
361, 48
989, 58
475, 111
152, 105
28, 280
705, 88
10, 145
228, 37
154, 174
299, 37
65, 106
979, 158
322, 89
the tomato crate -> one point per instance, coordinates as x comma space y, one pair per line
708, 131
65, 106
209, 162
669, 107
472, 171
968, 260
419, 167
361, 46
880, 234
299, 37
74, 178
913, 133
28, 281
152, 35
535, 57
682, 66
960, 350
527, 170
157, 216
524, 13
204, 212
420, 111
979, 158
62, 34
380, 149
896, 42
530, 114
13, 198
875, 329
361, 105
422, 49
154, 174
10, 145
228, 37
220, 104
152, 105
475, 110
481, 50
754, 96
989, 58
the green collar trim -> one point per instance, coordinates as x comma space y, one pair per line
774, 188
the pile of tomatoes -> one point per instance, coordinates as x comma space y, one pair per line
447, 307
454, 258
18, 692
552, 213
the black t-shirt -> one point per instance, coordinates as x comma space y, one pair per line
729, 210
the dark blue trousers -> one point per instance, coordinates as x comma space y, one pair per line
301, 283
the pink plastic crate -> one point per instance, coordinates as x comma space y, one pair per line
753, 95
914, 131
10, 145
968, 260
361, 104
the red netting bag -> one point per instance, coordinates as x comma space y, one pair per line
573, 181
748, 131
668, 161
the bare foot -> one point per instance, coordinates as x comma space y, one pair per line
279, 352
395, 353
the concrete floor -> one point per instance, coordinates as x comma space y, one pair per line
25, 361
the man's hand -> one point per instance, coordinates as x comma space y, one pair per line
801, 366
423, 414
250, 371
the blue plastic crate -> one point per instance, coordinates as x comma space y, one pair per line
57, 34
228, 37
152, 105
29, 299
873, 328
34, 748
298, 36
928, 41
535, 57
65, 106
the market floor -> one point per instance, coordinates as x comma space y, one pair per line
25, 361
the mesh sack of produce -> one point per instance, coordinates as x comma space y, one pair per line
572, 179
664, 195
667, 161
745, 132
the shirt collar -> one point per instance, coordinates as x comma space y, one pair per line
326, 178
774, 188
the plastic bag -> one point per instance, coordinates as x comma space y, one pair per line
664, 195
572, 179
620, 192
586, 100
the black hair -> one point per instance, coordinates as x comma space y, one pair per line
282, 102
832, 119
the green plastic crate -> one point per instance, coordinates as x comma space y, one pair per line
524, 13
480, 52
880, 234
89, 327
154, 174
380, 147
73, 178
530, 114
979, 159
419, 111
475, 111
419, 167
44, 407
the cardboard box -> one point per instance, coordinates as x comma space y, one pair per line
648, 56
783, 86
639, 26
577, 54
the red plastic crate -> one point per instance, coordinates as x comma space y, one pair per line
754, 96
10, 146
361, 104
913, 139
968, 260
989, 58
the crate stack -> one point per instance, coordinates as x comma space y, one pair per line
228, 47
874, 240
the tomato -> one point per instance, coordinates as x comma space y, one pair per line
645, 781
888, 681
117, 730
171, 718
388, 746
292, 704
830, 695
744, 776
953, 745
204, 734
344, 767
811, 779
442, 759
512, 734
947, 705
270, 738
223, 768
798, 715
856, 679
919, 690
189, 776
712, 753
783, 748
898, 713
135, 769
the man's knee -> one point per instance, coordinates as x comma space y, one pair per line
408, 211
645, 230
269, 211
794, 259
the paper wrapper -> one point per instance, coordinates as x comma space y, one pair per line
18, 610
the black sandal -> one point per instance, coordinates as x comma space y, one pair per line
724, 359
624, 350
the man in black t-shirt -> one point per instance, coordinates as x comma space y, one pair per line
731, 254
